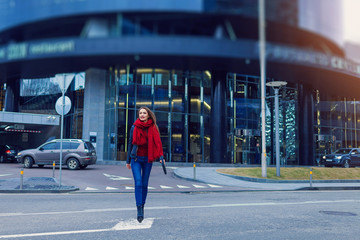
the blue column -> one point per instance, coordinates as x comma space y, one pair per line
218, 119
306, 127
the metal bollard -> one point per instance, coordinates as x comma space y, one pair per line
21, 178
194, 170
53, 169
310, 177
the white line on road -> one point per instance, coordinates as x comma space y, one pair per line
165, 187
91, 189
111, 188
198, 186
181, 207
181, 186
116, 178
123, 225
4, 175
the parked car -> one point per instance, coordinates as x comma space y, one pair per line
343, 157
77, 154
8, 153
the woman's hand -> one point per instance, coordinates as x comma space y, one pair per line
162, 159
128, 166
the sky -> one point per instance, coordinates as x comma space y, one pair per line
351, 14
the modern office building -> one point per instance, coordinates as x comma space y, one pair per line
194, 62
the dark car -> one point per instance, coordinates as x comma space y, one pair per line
77, 153
8, 153
343, 157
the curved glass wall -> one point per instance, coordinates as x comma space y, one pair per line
180, 101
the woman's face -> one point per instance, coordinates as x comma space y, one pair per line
143, 115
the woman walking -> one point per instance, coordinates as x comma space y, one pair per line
144, 148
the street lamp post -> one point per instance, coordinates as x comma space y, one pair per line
262, 57
276, 85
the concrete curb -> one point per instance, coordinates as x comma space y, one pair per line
176, 174
38, 190
346, 186
34, 185
261, 180
329, 188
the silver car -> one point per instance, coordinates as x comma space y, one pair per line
77, 153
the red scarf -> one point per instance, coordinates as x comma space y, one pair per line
155, 149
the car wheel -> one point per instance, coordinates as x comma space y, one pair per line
83, 166
40, 165
73, 164
1, 159
28, 162
346, 163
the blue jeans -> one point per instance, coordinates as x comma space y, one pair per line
141, 172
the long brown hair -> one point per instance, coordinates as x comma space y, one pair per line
151, 116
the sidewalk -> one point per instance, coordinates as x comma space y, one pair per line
209, 175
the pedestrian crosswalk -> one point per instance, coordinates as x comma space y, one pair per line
160, 187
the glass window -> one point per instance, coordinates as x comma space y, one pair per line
178, 137
195, 141
88, 145
74, 145
178, 92
51, 146
36, 87
161, 89
66, 145
163, 124
127, 88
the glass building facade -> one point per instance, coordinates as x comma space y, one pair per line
180, 100
336, 124
194, 63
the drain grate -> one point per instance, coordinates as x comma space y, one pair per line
336, 213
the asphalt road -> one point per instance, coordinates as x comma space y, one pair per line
212, 215
112, 178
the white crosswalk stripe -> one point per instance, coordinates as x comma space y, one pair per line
4, 175
108, 188
116, 178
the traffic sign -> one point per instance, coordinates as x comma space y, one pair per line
64, 81
59, 105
